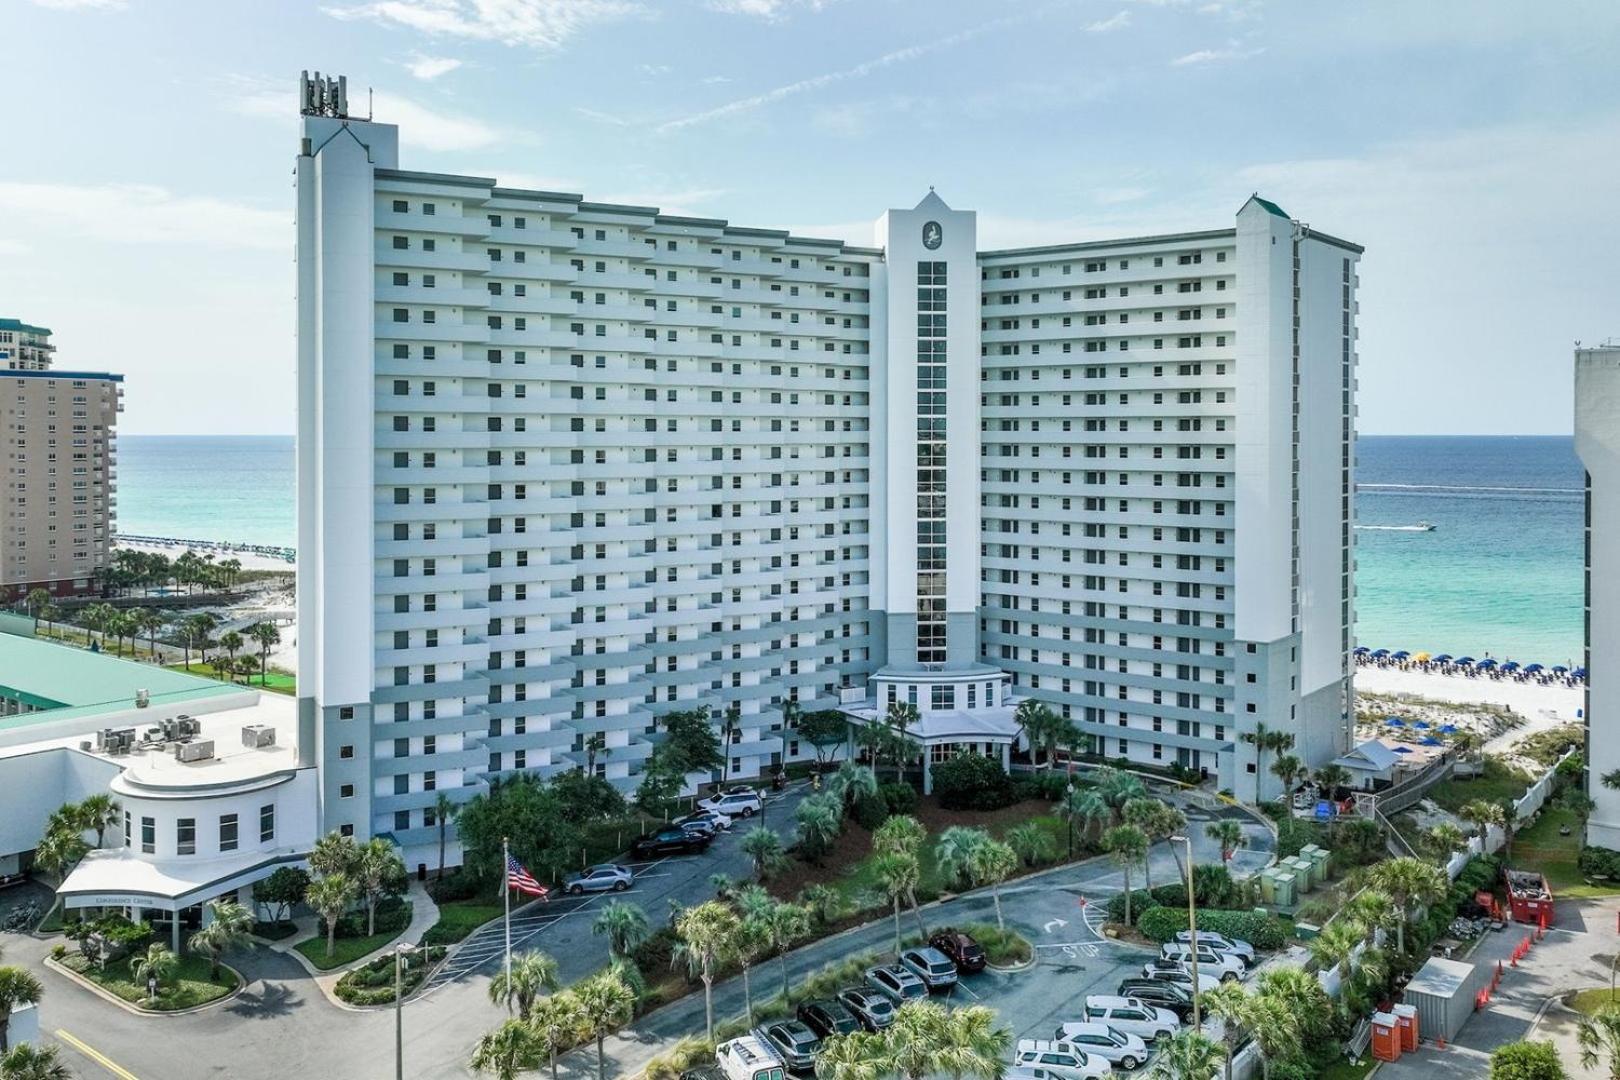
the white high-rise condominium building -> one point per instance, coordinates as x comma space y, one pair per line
566, 466
1597, 442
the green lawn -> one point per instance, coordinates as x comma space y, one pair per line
1498, 782
190, 986
344, 951
1589, 1001
458, 918
1540, 847
1346, 1070
276, 681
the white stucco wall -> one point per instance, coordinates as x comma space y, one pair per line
1597, 442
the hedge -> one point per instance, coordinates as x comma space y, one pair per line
373, 983
972, 782
1160, 924
899, 798
1599, 863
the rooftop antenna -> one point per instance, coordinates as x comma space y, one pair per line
368, 103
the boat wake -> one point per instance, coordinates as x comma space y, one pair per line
1422, 526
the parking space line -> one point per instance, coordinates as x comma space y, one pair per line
95, 1055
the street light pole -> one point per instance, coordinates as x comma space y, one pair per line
1192, 926
1068, 815
399, 1009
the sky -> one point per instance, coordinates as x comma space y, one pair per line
146, 200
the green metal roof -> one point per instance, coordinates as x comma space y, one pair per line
1268, 206
18, 324
64, 681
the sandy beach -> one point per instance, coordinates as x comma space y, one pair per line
1541, 706
174, 549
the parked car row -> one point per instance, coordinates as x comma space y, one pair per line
694, 833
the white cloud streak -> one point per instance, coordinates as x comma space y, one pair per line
1214, 56
764, 9
81, 5
144, 214
540, 24
428, 68
816, 82
1116, 22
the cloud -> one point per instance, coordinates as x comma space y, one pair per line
420, 127
81, 5
144, 214
713, 80
856, 118
601, 117
816, 82
1212, 56
428, 68
764, 9
540, 24
1116, 22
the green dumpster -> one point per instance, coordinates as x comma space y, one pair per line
1304, 874
1320, 858
1285, 890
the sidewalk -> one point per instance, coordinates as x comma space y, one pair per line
424, 913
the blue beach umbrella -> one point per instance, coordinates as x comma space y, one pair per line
1485, 664
1362, 650
1423, 724
1579, 673
1533, 668
1559, 669
1394, 721
1465, 660
1402, 655
1381, 652
1511, 665
1430, 740
1448, 729
1403, 750
1443, 658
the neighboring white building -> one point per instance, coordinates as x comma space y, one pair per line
565, 466
207, 811
1597, 443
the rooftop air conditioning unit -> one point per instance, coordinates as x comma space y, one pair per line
142, 699
201, 750
189, 725
258, 736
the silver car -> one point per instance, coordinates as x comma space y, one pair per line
608, 877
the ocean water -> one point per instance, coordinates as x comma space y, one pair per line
1501, 573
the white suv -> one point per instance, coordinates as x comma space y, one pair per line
1220, 943
1062, 1060
1117, 1047
1211, 961
734, 803
1131, 1016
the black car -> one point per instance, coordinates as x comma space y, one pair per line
827, 1018
669, 842
1161, 994
793, 1042
965, 953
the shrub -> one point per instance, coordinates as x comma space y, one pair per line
1599, 863
972, 782
1141, 900
456, 885
58, 951
1001, 947
393, 916
870, 811
653, 955
373, 983
899, 798
1047, 786
1160, 924
691, 1052
1526, 1061
1482, 872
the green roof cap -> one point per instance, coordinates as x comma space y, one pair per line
1268, 206
57, 678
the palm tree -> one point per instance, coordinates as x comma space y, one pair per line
1127, 845
229, 927
25, 1061
925, 1039
506, 1051
18, 986
557, 1022
232, 643
36, 601
1481, 814
708, 935
899, 833
993, 862
1598, 1037
267, 637
1229, 834
51, 614
1150, 816
820, 819
378, 864
897, 872
1301, 994
1189, 1054
852, 783
1074, 805
329, 897
953, 851
1444, 840
1289, 769
1118, 788
900, 716
1373, 909
154, 966
1037, 722
1331, 777
533, 972
1333, 947
444, 811
1262, 740
98, 813
764, 847
1032, 843
1276, 1030
625, 926
1409, 881
605, 1002
149, 621
59, 851
1231, 1003
777, 921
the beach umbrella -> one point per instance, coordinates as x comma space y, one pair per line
1443, 658
1381, 652
1448, 729
1430, 740
1534, 668
1465, 659
1487, 663
1422, 657
1394, 721
1559, 669
1424, 724
1402, 655
1402, 749
1579, 673
1511, 665
1362, 650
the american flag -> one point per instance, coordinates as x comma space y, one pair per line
521, 880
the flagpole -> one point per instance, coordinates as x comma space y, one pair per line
506, 868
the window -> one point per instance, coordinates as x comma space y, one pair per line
346, 791
126, 828
148, 835
346, 752
185, 836
267, 823
227, 832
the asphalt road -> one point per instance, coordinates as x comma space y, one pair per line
281, 1026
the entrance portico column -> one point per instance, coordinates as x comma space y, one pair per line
174, 933
1006, 757
927, 771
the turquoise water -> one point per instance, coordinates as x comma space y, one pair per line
1501, 573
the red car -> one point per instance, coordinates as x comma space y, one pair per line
965, 953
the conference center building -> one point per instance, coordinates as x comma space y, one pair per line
567, 466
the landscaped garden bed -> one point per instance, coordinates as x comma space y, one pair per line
352, 941
190, 985
373, 983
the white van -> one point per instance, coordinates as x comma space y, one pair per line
1131, 1016
1211, 961
749, 1059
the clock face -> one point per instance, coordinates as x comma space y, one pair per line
933, 235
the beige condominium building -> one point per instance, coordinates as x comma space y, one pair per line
56, 445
